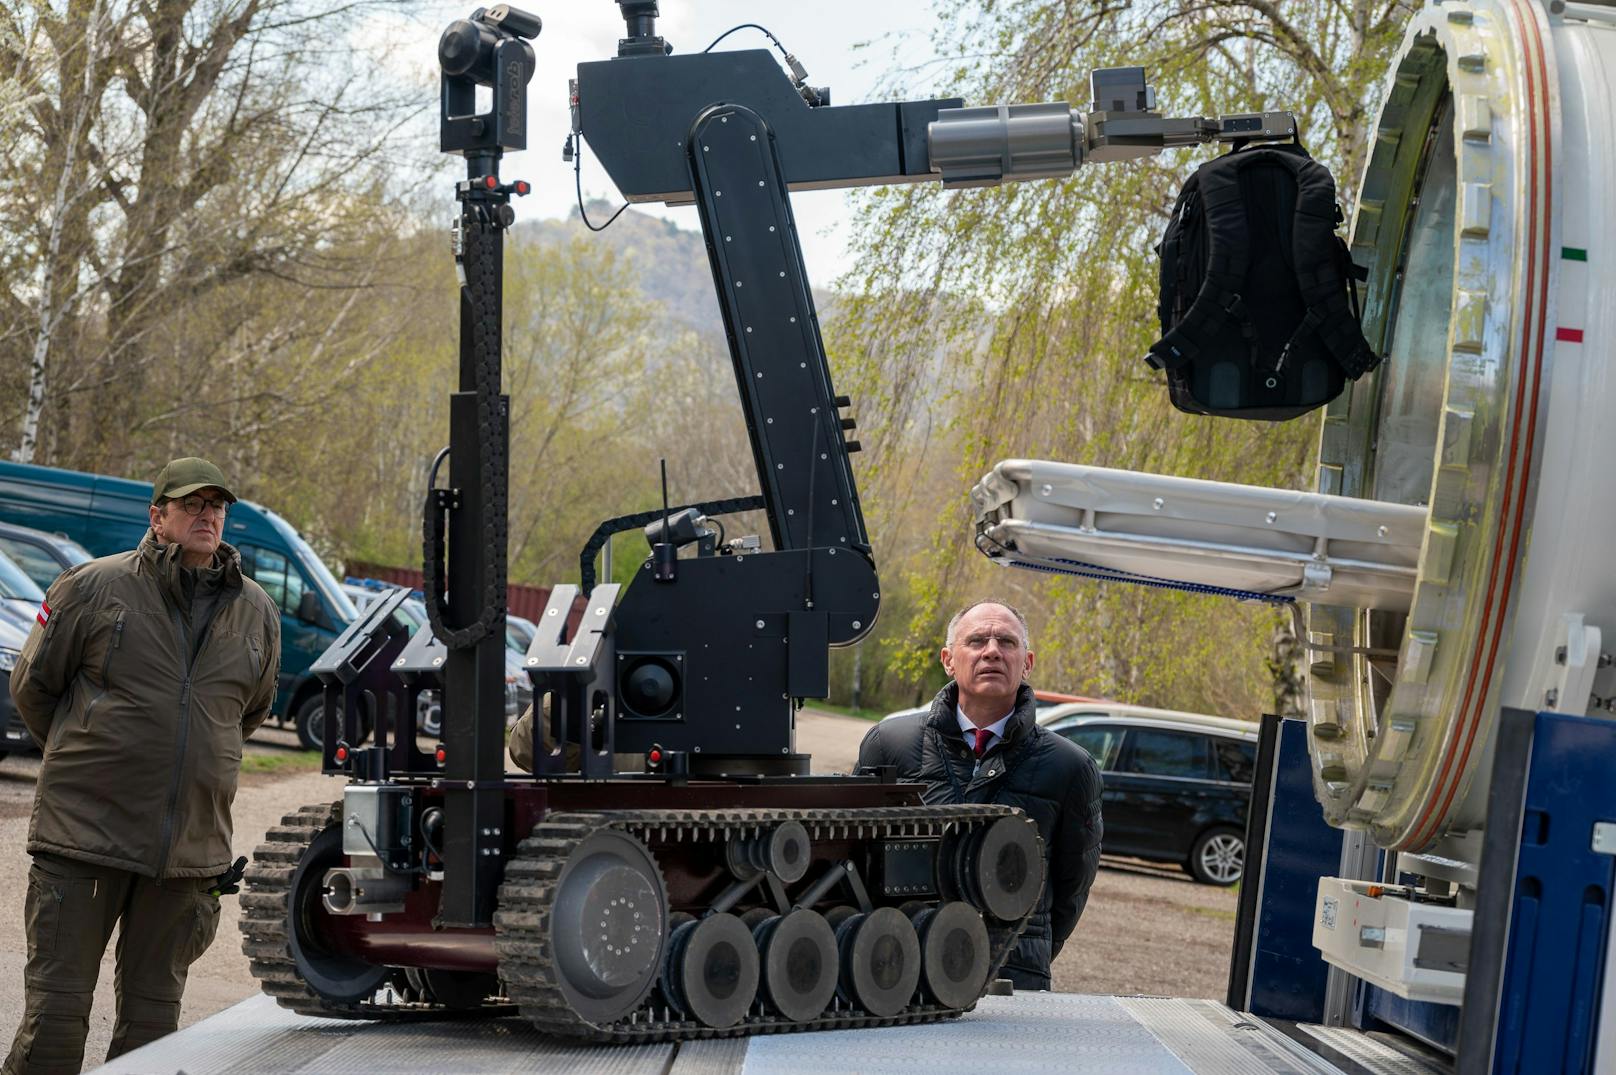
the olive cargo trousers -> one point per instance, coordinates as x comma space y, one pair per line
71, 909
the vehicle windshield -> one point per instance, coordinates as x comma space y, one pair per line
76, 554
323, 580
13, 633
14, 585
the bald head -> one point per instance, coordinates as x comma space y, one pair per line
954, 621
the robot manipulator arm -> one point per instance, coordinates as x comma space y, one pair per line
993, 144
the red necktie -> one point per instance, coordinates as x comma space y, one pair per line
982, 737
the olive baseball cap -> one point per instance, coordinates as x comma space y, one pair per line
182, 477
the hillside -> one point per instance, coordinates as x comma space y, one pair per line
668, 260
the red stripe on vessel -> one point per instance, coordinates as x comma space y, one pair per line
1469, 721
1569, 335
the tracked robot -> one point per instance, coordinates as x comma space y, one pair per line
670, 868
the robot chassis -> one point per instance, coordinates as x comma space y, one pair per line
717, 889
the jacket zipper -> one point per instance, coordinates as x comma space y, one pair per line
189, 664
106, 667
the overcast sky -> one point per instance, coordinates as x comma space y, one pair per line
821, 34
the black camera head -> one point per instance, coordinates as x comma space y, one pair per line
488, 49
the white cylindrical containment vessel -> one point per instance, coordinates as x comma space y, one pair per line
1486, 224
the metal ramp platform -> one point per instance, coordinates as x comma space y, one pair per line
1238, 540
1030, 1032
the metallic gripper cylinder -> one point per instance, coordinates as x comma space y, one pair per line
982, 147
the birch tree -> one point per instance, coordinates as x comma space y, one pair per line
169, 150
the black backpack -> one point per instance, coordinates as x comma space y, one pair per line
1254, 290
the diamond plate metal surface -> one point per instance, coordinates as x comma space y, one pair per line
1213, 1039
1029, 1032
259, 1037
1369, 1053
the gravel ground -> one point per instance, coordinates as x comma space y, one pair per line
1147, 929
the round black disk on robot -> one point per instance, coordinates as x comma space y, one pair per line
713, 972
1006, 868
880, 960
799, 957
954, 953
607, 928
788, 851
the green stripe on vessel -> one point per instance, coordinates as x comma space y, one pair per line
1572, 253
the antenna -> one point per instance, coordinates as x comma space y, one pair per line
664, 554
665, 538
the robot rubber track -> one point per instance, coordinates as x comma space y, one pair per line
266, 925
532, 971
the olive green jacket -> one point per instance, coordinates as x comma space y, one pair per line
142, 743
519, 741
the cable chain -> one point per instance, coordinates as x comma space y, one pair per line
481, 267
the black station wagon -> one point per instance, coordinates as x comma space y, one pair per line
1177, 785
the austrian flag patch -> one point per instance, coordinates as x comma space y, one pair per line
44, 614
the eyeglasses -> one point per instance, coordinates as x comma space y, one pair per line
193, 505
980, 642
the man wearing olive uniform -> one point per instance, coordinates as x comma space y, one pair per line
143, 674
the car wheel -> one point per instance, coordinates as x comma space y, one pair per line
429, 715
1218, 857
310, 722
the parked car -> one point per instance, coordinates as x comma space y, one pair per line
429, 709
41, 555
12, 636
109, 515
20, 596
1177, 785
20, 601
1043, 699
519, 632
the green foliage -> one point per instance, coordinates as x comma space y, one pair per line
274, 305
1008, 322
861, 713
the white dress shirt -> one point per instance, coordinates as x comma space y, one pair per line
968, 728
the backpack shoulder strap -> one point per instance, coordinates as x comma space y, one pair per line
1324, 272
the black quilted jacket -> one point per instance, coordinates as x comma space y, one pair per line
1050, 778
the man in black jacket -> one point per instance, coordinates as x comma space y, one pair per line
981, 743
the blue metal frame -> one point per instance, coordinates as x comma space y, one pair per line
1543, 907
1543, 912
1287, 974
1435, 1024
